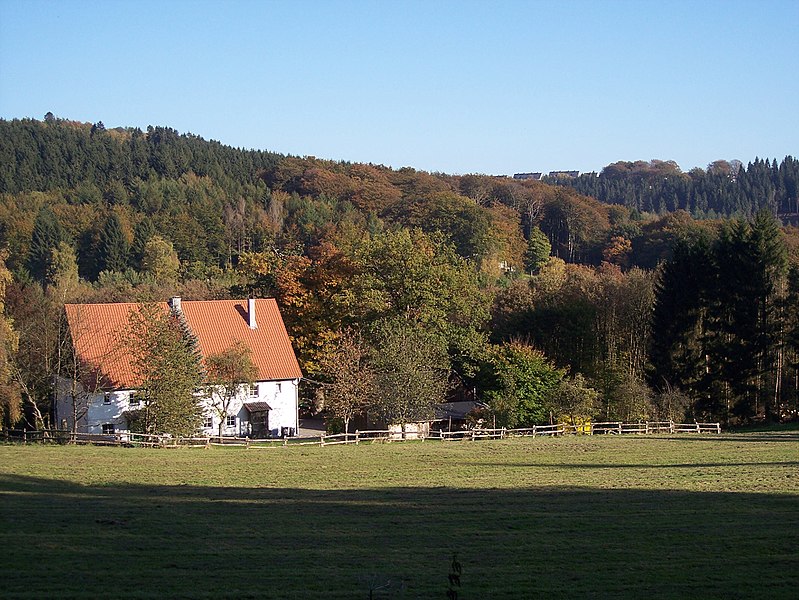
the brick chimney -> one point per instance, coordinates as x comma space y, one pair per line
250, 313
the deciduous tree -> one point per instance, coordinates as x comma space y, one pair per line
10, 397
160, 261
352, 378
411, 367
517, 380
229, 373
573, 399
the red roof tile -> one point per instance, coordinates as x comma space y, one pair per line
98, 331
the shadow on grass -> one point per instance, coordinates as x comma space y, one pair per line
757, 437
556, 466
140, 541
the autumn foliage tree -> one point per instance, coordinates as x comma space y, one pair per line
352, 385
228, 373
10, 397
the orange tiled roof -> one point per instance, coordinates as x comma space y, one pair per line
98, 330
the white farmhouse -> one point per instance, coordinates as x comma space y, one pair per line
107, 388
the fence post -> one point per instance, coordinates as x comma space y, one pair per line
322, 440
718, 428
357, 436
620, 432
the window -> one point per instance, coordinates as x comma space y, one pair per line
208, 423
253, 390
108, 428
231, 421
133, 400
107, 398
279, 386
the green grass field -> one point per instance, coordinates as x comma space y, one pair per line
655, 517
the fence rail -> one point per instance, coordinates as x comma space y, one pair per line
367, 436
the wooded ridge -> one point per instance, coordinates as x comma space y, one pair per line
400, 288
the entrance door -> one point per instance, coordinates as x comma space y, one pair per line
259, 421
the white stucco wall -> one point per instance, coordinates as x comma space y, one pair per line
281, 396
93, 408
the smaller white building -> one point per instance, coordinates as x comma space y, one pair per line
99, 402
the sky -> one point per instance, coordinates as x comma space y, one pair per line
494, 87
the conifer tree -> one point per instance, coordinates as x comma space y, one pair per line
141, 235
679, 320
166, 360
538, 251
47, 235
114, 248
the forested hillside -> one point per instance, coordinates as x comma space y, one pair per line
535, 299
725, 189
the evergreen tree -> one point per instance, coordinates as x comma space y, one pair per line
538, 251
679, 319
166, 360
141, 235
769, 258
114, 249
47, 235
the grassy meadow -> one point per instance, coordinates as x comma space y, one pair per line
659, 517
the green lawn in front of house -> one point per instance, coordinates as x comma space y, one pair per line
712, 516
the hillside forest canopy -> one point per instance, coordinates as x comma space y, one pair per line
639, 293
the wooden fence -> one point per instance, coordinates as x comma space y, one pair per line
368, 436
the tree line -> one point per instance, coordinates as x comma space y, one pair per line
538, 301
724, 189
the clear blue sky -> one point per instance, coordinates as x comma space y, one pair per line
459, 87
